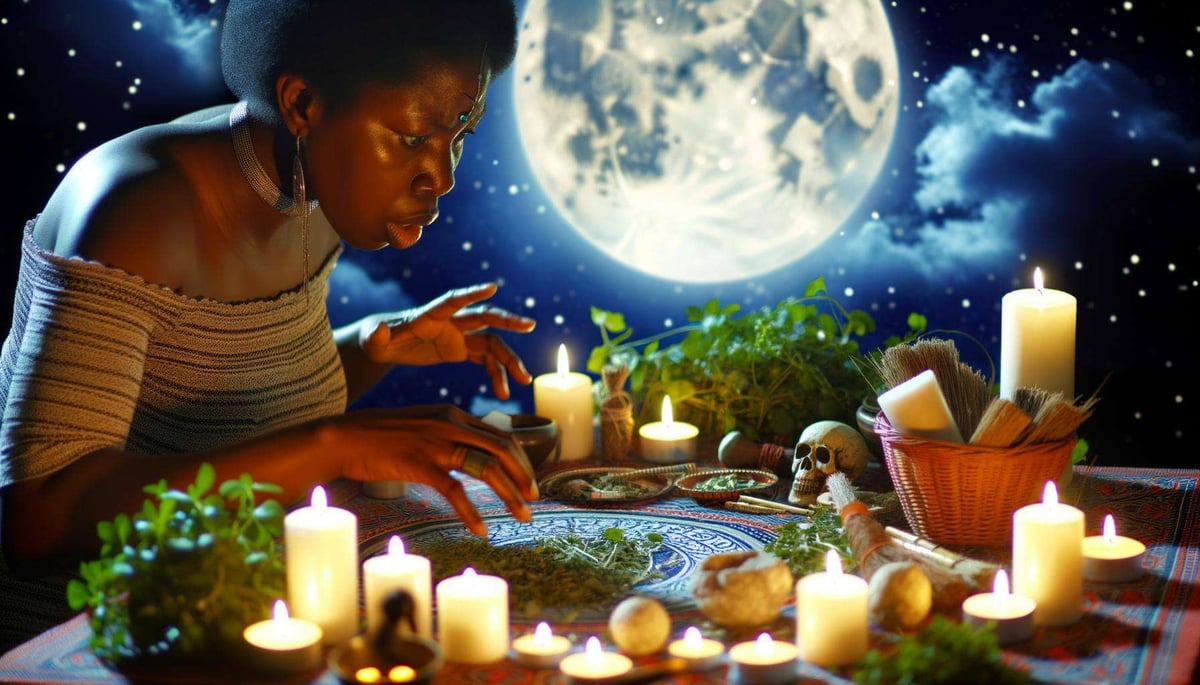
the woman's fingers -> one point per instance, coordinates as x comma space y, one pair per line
449, 304
489, 470
479, 318
485, 346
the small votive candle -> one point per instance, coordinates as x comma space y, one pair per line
398, 570
594, 663
668, 441
1112, 558
282, 644
395, 674
472, 617
832, 617
763, 661
698, 651
1011, 614
540, 649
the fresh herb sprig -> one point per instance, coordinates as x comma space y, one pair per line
568, 572
184, 576
943, 652
765, 373
803, 546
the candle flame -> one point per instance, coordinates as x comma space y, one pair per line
319, 499
762, 646
692, 639
563, 366
369, 674
1050, 493
469, 572
833, 563
1000, 584
402, 674
1110, 529
1039, 283
280, 613
395, 545
541, 634
592, 652
668, 413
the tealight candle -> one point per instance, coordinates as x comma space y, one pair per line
918, 407
540, 649
472, 617
700, 652
594, 663
398, 570
832, 623
283, 644
668, 441
566, 397
1011, 614
1112, 558
763, 661
320, 549
1037, 340
1047, 558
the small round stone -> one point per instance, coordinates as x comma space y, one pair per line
640, 625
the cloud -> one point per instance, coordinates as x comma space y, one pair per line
994, 180
194, 36
353, 294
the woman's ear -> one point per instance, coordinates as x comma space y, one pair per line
294, 98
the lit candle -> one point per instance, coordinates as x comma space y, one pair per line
566, 397
918, 407
700, 652
1048, 558
540, 649
668, 441
831, 615
1012, 615
1112, 558
320, 549
472, 617
282, 644
763, 661
1037, 340
398, 570
594, 663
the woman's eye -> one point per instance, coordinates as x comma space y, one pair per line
413, 141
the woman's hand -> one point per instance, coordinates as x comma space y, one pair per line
448, 329
423, 444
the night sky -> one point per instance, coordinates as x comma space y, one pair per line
1063, 135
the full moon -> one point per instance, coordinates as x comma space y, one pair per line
706, 140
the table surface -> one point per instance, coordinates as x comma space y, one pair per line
1141, 632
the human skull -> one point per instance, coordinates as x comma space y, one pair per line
824, 448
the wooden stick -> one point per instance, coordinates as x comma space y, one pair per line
752, 508
981, 573
774, 505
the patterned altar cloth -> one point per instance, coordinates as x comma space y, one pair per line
1141, 633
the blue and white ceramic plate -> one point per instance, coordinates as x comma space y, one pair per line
687, 542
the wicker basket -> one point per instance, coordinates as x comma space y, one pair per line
960, 494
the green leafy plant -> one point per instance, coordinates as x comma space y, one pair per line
803, 546
942, 652
767, 373
183, 577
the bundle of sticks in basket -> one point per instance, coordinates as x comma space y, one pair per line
1031, 416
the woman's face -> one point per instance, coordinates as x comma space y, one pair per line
379, 165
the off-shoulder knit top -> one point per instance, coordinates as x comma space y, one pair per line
98, 357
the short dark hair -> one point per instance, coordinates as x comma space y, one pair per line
339, 46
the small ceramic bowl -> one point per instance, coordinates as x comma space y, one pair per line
690, 484
423, 657
538, 435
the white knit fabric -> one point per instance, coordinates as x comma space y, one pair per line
97, 357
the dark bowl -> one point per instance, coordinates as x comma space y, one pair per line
421, 655
538, 435
762, 480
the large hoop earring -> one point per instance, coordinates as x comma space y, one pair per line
300, 198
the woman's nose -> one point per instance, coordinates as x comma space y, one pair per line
436, 178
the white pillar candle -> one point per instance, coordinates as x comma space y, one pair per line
1047, 558
566, 397
831, 615
918, 407
594, 663
763, 661
1037, 340
472, 617
540, 649
1011, 615
282, 644
398, 570
698, 651
1112, 558
320, 548
668, 441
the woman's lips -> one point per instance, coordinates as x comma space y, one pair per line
404, 236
